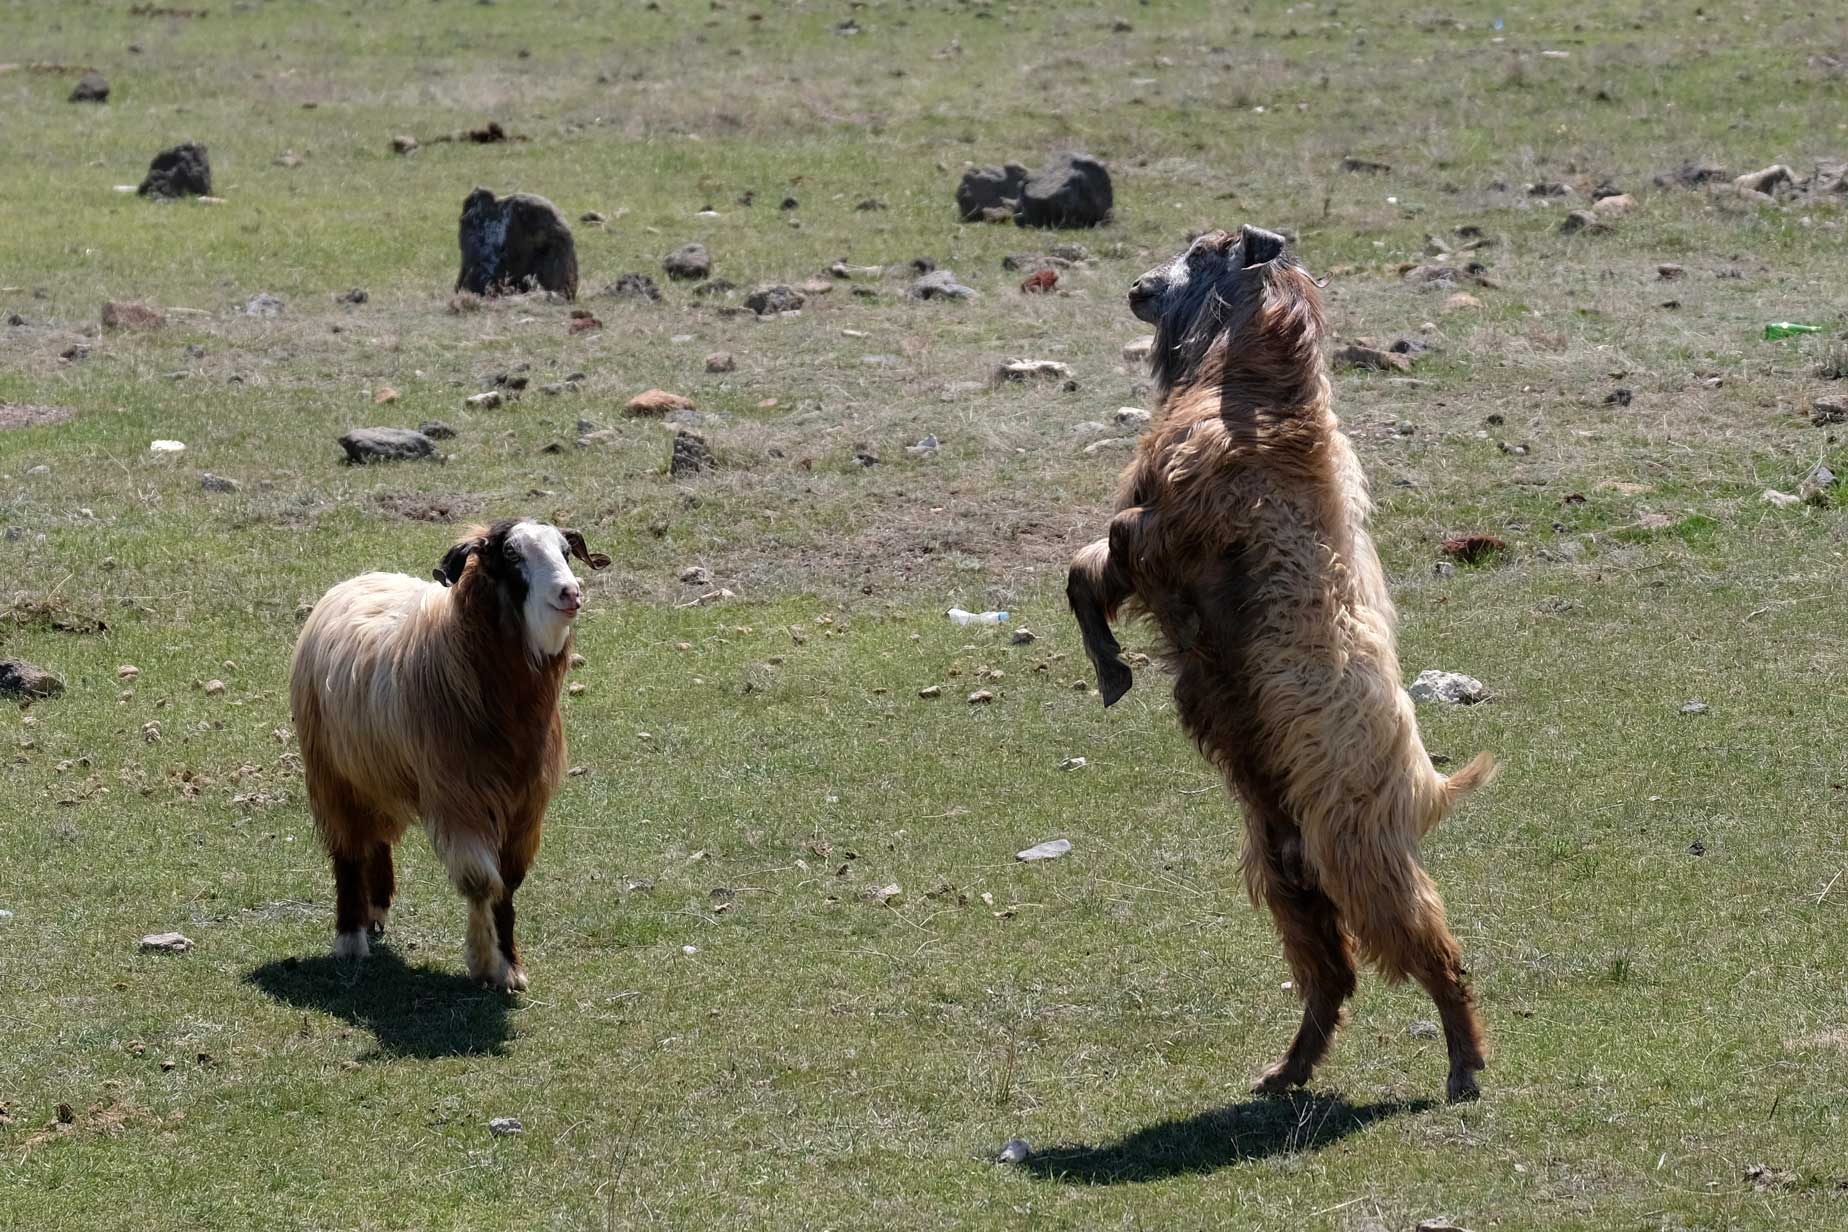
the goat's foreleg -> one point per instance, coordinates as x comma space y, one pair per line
1099, 583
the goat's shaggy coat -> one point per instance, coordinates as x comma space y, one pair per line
1241, 532
418, 700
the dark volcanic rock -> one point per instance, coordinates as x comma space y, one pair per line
634, 286
688, 263
986, 187
19, 678
768, 300
386, 445
181, 171
691, 456
90, 88
1071, 191
515, 243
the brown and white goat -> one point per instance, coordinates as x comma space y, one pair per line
416, 699
1241, 533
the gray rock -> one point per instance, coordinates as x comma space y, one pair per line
19, 678
217, 483
985, 188
688, 263
769, 300
940, 284
437, 430
365, 445
1452, 688
1133, 417
1422, 1028
1073, 190
691, 454
180, 171
505, 1127
90, 88
721, 361
1694, 706
1014, 1151
1110, 444
926, 447
1032, 370
634, 286
515, 243
166, 943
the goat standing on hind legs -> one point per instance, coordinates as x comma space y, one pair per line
1241, 533
418, 700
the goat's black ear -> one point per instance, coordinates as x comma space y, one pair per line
596, 560
455, 560
1260, 245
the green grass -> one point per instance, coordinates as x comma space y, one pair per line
1648, 900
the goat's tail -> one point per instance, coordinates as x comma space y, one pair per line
1480, 772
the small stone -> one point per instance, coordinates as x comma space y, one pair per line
19, 678
634, 286
1782, 500
214, 688
1615, 206
1073, 763
592, 218
1138, 350
1451, 688
575, 688
721, 361
403, 143
654, 403
1111, 444
1033, 369
1582, 220
90, 88
503, 1127
364, 445
128, 671
691, 454
931, 690
1816, 486
166, 447
1832, 409
1379, 361
263, 304
437, 430
1014, 1151
1668, 271
217, 483
166, 943
1764, 181
1442, 1223
981, 697
696, 575
864, 456
1133, 417
384, 394
1694, 706
890, 895
925, 447
1422, 1028
1023, 637
1051, 849
770, 300
940, 284
578, 660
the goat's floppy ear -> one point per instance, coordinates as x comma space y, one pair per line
596, 560
455, 560
1260, 245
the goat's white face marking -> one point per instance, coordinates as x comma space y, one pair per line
553, 592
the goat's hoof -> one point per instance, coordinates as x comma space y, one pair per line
516, 979
1113, 680
351, 945
1462, 1088
501, 976
375, 921
1279, 1079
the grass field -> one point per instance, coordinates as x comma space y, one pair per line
729, 1023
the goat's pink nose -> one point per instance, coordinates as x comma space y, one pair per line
570, 595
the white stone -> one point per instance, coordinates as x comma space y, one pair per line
1051, 849
1453, 688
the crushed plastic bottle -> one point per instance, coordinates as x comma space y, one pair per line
1789, 329
958, 616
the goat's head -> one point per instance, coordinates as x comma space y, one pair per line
1218, 286
525, 561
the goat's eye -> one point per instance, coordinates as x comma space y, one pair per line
511, 554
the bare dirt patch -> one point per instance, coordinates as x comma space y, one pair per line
31, 415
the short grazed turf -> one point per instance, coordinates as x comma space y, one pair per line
730, 1021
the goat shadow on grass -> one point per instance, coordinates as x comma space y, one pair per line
412, 1011
1207, 1141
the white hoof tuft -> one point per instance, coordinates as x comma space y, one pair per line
351, 945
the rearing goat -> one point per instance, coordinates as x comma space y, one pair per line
1241, 532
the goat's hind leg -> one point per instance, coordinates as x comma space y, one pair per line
1319, 955
1100, 583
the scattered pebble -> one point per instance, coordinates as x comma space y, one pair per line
1452, 688
1073, 763
1422, 1028
217, 483
1023, 637
1014, 1151
1694, 706
931, 690
166, 943
889, 896
502, 1127
167, 447
980, 697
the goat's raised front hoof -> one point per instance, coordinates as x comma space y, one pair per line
351, 945
1279, 1079
1461, 1088
1113, 680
